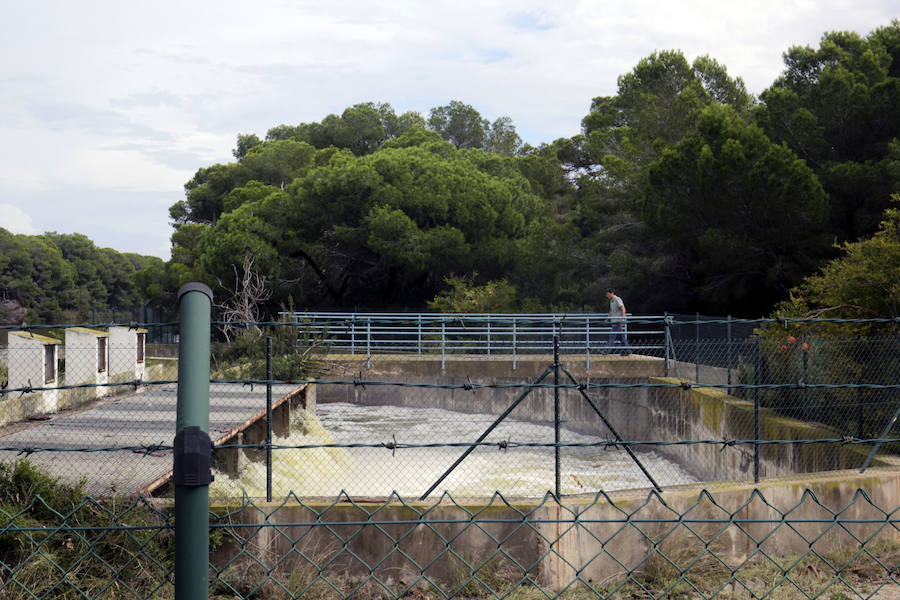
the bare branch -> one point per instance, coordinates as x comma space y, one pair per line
242, 308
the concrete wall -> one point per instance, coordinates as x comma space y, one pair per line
253, 431
83, 363
595, 538
124, 361
636, 414
26, 353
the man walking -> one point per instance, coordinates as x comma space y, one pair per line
617, 323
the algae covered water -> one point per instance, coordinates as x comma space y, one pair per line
410, 471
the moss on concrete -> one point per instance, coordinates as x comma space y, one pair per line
733, 418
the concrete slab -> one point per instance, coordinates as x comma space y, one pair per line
80, 439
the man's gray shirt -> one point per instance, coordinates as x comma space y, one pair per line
615, 309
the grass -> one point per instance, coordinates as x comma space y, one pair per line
57, 543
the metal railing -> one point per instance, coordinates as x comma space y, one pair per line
483, 334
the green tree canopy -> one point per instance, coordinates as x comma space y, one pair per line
862, 283
66, 278
741, 218
381, 229
657, 105
838, 107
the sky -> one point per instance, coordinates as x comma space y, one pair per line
107, 108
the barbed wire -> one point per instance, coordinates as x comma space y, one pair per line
135, 383
508, 444
471, 385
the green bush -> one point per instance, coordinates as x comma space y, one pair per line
58, 543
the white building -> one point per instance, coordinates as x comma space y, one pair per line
87, 362
126, 354
32, 361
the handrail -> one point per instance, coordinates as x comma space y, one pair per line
482, 333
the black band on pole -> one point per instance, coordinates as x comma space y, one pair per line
193, 450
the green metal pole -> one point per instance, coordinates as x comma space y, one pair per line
756, 382
192, 414
556, 458
269, 377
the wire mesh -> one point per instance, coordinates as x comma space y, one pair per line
91, 418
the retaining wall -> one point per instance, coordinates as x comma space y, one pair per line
596, 539
636, 413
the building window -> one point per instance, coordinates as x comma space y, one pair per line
101, 354
141, 338
49, 364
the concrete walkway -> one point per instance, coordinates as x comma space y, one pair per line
145, 418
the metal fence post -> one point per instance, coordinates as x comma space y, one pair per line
269, 418
728, 359
756, 382
191, 470
697, 350
667, 341
556, 410
587, 344
514, 343
806, 410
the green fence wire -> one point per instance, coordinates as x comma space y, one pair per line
106, 432
708, 544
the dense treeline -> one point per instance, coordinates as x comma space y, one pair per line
66, 278
682, 190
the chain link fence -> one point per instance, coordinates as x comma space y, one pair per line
94, 407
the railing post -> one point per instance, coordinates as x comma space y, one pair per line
419, 320
489, 335
443, 344
269, 418
587, 344
352, 335
192, 448
667, 341
514, 343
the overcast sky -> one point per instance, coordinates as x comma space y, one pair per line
108, 108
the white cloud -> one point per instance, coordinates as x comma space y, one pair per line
106, 99
16, 220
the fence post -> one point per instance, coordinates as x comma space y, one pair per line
191, 466
667, 340
514, 343
756, 382
443, 343
587, 344
728, 359
697, 350
269, 418
556, 410
806, 410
